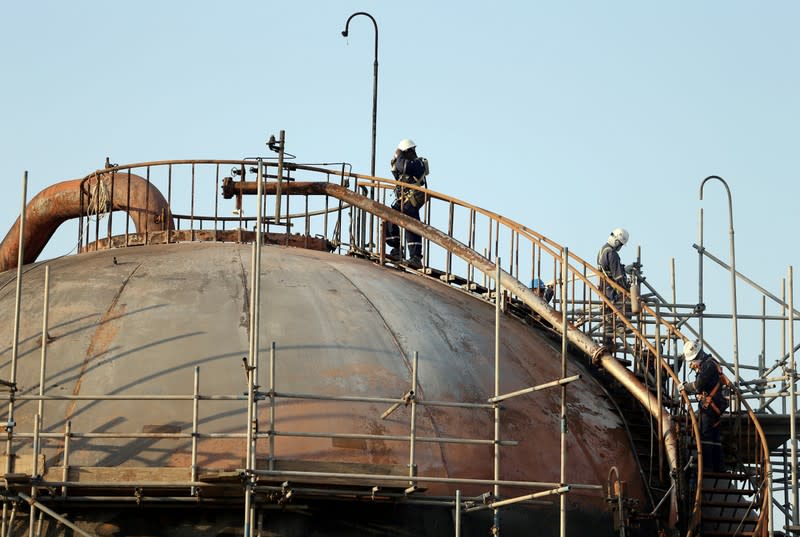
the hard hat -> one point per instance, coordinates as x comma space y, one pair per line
618, 237
691, 348
406, 144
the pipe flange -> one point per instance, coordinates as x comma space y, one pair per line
602, 349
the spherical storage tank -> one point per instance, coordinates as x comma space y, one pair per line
143, 413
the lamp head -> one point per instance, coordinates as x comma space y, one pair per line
344, 33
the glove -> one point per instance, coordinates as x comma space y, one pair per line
682, 387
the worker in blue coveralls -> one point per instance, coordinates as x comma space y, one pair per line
709, 390
408, 168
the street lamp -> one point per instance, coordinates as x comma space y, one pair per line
374, 81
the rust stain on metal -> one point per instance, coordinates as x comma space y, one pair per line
101, 340
349, 443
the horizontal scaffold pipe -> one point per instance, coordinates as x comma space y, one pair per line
144, 203
577, 338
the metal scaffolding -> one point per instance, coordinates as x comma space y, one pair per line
635, 341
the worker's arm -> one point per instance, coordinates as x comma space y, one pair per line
614, 267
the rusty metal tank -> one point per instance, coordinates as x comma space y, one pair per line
139, 321
135, 405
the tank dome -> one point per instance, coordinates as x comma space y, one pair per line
131, 331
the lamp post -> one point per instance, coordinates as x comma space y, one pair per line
374, 81
733, 273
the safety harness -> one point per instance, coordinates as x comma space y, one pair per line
706, 399
600, 258
412, 196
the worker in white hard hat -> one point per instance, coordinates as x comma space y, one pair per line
709, 389
609, 263
408, 168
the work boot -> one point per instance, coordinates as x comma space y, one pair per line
415, 262
394, 253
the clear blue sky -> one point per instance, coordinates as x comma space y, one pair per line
569, 117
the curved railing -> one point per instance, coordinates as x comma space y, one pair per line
337, 210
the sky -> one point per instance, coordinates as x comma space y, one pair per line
570, 117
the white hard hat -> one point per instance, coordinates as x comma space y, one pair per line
691, 348
618, 237
406, 144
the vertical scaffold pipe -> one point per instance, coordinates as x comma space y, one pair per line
458, 513
272, 406
563, 474
792, 401
43, 355
195, 432
15, 343
412, 462
498, 300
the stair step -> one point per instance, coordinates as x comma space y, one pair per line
477, 288
729, 519
733, 476
726, 504
730, 491
729, 533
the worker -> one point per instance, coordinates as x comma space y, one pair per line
609, 263
407, 168
710, 392
545, 291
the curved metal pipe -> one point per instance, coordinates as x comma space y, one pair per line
58, 203
733, 271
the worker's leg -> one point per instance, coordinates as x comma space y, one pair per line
716, 447
393, 234
413, 240
710, 440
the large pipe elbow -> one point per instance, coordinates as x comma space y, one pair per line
143, 202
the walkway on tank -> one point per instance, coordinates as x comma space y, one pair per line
341, 212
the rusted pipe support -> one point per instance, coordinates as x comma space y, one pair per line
60, 202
